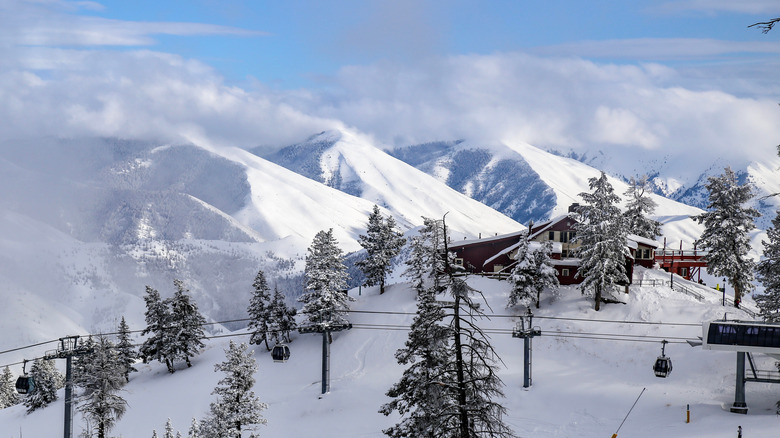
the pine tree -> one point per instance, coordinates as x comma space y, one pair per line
282, 318
450, 386
158, 317
102, 379
532, 273
260, 311
727, 225
194, 431
426, 263
418, 394
601, 231
382, 243
186, 324
8, 395
326, 281
768, 270
126, 350
638, 209
237, 407
168, 429
47, 381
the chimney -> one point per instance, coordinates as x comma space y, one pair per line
574, 207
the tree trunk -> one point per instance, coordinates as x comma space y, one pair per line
463, 413
598, 298
381, 286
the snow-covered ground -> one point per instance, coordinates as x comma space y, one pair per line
581, 387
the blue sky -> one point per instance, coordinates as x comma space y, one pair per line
659, 77
293, 43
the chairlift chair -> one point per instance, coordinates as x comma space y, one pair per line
25, 384
280, 353
663, 364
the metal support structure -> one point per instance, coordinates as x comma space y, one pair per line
326, 328
68, 348
739, 406
527, 333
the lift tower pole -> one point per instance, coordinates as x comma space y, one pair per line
326, 328
526, 333
68, 348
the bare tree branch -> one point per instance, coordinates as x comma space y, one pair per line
766, 26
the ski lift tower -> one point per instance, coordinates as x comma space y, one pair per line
69, 347
326, 328
527, 332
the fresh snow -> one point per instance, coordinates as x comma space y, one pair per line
581, 387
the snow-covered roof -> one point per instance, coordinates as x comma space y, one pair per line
488, 239
557, 248
643, 240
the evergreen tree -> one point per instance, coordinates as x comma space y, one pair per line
768, 270
186, 324
237, 407
194, 431
126, 350
601, 231
417, 395
532, 273
727, 225
382, 243
158, 317
282, 318
168, 429
102, 379
8, 395
47, 381
326, 298
449, 388
260, 311
426, 263
639, 207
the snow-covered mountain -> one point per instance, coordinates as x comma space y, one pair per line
86, 224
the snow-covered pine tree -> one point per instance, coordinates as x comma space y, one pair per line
8, 395
260, 311
125, 349
768, 270
450, 387
602, 233
382, 243
194, 431
237, 408
168, 429
426, 263
102, 379
326, 275
187, 324
417, 395
532, 273
47, 381
158, 318
727, 225
282, 318
638, 209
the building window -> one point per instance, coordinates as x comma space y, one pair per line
564, 272
551, 235
646, 254
683, 272
567, 236
498, 268
458, 261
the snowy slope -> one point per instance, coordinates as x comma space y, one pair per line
351, 163
582, 387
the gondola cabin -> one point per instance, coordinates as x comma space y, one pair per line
25, 385
280, 353
746, 336
662, 367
